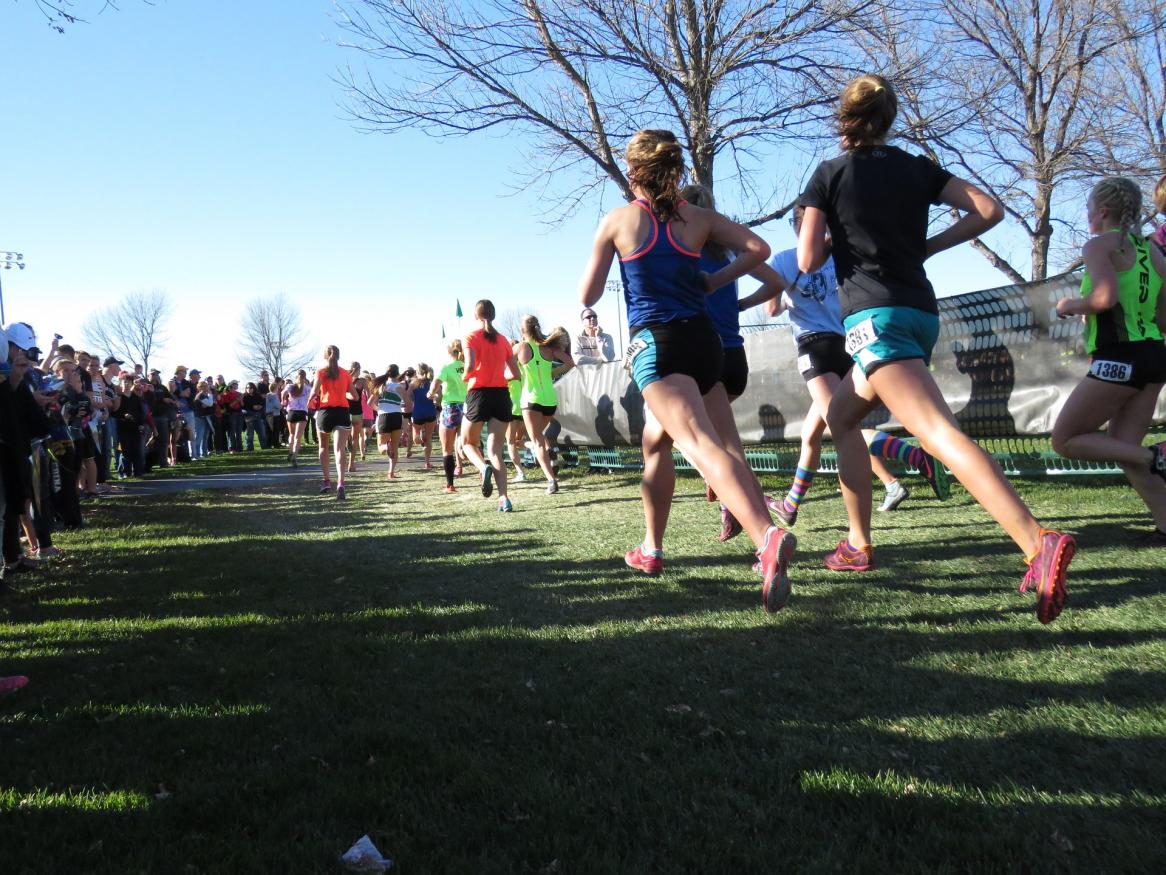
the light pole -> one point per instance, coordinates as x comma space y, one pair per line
615, 288
11, 260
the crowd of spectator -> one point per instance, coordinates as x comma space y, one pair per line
72, 423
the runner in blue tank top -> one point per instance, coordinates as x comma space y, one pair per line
675, 354
724, 311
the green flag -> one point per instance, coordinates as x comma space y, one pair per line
459, 308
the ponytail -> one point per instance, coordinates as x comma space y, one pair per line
484, 312
332, 356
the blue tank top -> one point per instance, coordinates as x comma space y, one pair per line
661, 279
722, 305
423, 408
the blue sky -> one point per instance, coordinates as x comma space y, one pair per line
200, 147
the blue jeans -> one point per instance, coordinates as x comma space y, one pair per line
255, 424
235, 431
202, 432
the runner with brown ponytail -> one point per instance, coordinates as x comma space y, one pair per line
330, 391
490, 365
676, 356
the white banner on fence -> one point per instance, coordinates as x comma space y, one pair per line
1004, 362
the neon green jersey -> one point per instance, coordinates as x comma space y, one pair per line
537, 387
453, 387
515, 387
1132, 317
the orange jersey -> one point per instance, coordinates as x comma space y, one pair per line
489, 361
332, 392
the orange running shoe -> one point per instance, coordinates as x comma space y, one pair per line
1046, 573
847, 558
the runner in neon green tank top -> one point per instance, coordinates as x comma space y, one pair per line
516, 429
449, 392
1132, 318
541, 360
1124, 308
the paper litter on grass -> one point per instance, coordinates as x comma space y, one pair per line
364, 857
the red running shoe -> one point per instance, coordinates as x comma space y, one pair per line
730, 528
645, 562
847, 558
449, 490
774, 557
1046, 573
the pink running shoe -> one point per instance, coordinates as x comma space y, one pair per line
730, 528
1046, 573
847, 558
644, 562
12, 684
774, 557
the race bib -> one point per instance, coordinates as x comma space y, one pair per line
1112, 372
804, 364
636, 347
860, 336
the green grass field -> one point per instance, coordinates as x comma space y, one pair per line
228, 682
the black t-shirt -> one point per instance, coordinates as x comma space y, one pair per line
876, 200
262, 388
250, 402
160, 404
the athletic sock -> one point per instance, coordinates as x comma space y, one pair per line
447, 462
887, 446
803, 477
659, 554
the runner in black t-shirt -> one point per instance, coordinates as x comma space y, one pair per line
874, 200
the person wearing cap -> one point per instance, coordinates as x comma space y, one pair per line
128, 417
593, 346
109, 459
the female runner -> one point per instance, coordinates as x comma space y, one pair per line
424, 411
815, 314
388, 389
368, 411
516, 428
892, 323
449, 390
675, 354
407, 410
333, 419
1124, 309
356, 411
489, 365
295, 401
541, 363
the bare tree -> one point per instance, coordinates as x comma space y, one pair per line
1136, 85
131, 329
1005, 92
732, 78
272, 337
60, 13
509, 321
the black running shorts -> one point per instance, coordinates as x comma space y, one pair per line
735, 371
823, 352
1137, 364
689, 346
389, 422
482, 405
330, 419
544, 409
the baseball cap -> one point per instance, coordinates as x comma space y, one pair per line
155, 371
124, 374
110, 360
21, 334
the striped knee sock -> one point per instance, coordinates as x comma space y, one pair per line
801, 485
888, 446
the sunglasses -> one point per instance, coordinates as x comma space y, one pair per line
590, 316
